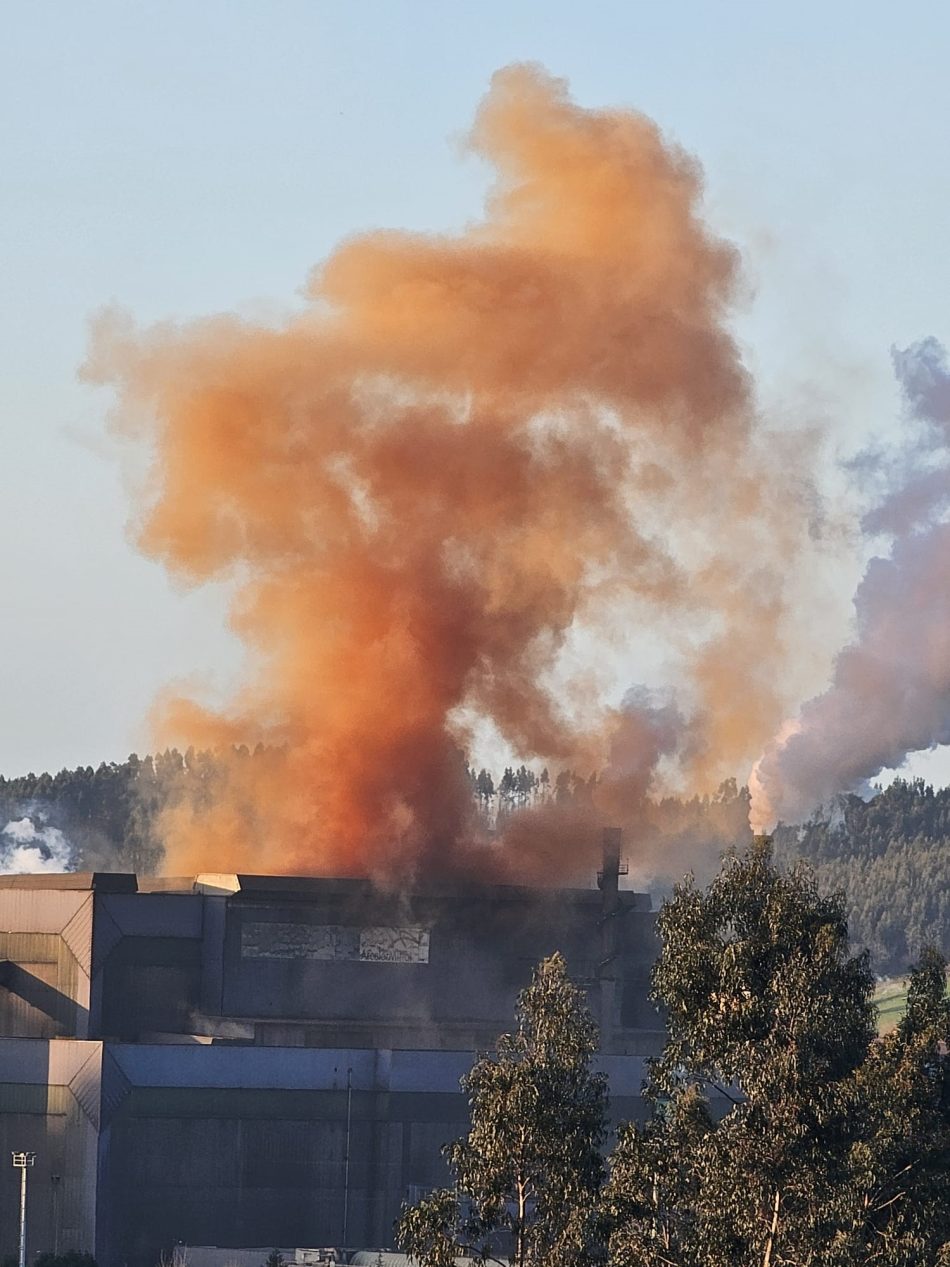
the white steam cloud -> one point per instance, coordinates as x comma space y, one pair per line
890, 689
28, 849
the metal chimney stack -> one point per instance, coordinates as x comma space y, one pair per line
608, 881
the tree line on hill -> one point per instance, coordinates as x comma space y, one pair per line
889, 855
780, 1131
110, 814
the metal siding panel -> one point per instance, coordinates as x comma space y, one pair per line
429, 1070
214, 914
155, 914
115, 1086
23, 947
32, 1099
24, 1060
48, 1119
77, 934
86, 1087
148, 997
67, 1057
626, 1074
106, 936
234, 1102
218, 1066
39, 910
47, 992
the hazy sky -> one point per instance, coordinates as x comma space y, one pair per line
183, 158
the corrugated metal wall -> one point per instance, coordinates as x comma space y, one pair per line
48, 1105
246, 1144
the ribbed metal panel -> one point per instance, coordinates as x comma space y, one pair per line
30, 947
257, 1067
43, 989
32, 1099
39, 910
115, 1086
78, 935
85, 1085
106, 935
153, 914
24, 1060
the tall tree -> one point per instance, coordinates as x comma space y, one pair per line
900, 1171
828, 1148
528, 1173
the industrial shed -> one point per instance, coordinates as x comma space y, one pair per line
249, 1060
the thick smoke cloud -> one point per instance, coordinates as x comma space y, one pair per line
465, 450
890, 691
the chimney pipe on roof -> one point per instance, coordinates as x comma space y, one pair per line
608, 881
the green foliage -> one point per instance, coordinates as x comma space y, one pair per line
531, 1166
827, 1146
900, 1170
783, 1132
275, 1259
758, 981
890, 856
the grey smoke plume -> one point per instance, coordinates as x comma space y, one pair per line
27, 849
890, 690
647, 727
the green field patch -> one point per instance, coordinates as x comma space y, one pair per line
890, 999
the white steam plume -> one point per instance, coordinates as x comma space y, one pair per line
890, 689
28, 849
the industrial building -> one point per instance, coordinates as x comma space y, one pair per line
239, 1060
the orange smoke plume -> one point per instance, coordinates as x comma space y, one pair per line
465, 448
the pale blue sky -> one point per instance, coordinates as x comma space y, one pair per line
191, 156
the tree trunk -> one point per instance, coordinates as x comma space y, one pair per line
519, 1237
773, 1230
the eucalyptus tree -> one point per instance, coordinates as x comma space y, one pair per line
528, 1174
784, 1134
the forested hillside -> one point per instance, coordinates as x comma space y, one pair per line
108, 815
890, 855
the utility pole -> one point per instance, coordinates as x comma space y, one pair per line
23, 1162
55, 1181
346, 1156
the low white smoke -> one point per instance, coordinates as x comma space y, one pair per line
890, 689
28, 849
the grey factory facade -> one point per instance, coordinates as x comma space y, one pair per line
244, 1060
